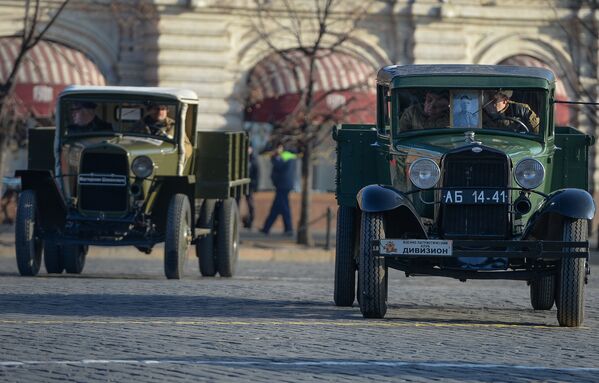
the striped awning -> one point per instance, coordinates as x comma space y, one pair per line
340, 82
44, 72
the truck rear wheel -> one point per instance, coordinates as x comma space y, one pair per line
205, 244
542, 293
345, 263
74, 258
570, 289
178, 236
227, 237
53, 258
372, 271
28, 244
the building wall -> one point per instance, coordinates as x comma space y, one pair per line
209, 46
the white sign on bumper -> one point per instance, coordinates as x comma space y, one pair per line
416, 247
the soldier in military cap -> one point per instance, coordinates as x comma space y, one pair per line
499, 112
84, 119
156, 122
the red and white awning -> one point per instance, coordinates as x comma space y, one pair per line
44, 72
341, 81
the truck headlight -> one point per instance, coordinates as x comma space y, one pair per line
529, 173
424, 173
142, 166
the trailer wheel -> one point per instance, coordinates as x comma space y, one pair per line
227, 237
74, 258
371, 268
345, 263
178, 236
53, 259
542, 293
570, 289
205, 244
28, 244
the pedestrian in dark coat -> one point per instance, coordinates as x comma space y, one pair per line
283, 178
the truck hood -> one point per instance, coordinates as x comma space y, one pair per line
435, 145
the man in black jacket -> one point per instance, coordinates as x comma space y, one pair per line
283, 178
83, 116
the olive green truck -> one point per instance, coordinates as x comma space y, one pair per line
112, 183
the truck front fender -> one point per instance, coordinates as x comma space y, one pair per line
165, 188
51, 204
564, 203
400, 212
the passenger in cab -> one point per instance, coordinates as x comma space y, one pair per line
500, 112
434, 113
84, 119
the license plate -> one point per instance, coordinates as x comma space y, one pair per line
416, 247
475, 197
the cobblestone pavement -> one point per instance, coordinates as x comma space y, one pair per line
122, 321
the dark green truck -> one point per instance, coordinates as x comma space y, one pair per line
118, 183
452, 182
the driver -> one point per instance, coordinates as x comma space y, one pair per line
499, 112
156, 122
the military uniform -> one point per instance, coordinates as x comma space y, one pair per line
148, 125
415, 118
164, 128
517, 110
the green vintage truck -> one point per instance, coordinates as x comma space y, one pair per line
127, 166
464, 175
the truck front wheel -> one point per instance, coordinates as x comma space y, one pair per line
28, 244
178, 236
570, 289
372, 272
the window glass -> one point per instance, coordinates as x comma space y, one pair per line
142, 118
516, 111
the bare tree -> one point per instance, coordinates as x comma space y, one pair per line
299, 34
35, 26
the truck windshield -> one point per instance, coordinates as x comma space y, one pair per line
514, 110
131, 118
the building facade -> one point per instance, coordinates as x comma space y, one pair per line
211, 46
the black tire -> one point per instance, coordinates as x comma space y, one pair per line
74, 258
178, 236
570, 290
28, 244
371, 268
53, 259
205, 244
542, 293
227, 237
345, 262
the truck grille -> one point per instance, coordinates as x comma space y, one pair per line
468, 169
105, 195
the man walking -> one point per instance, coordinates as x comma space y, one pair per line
283, 178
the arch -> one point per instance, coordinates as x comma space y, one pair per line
498, 48
514, 50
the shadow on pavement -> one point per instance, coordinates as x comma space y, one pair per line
202, 307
